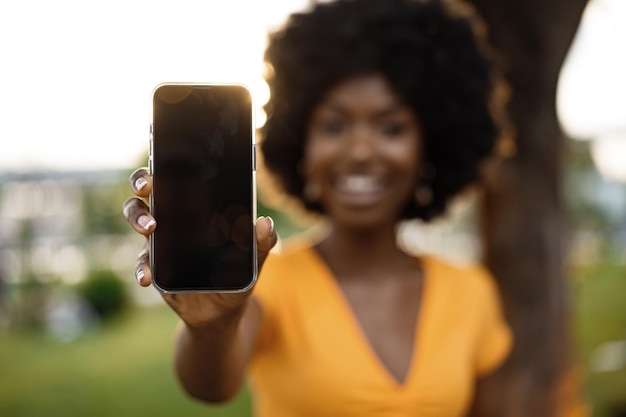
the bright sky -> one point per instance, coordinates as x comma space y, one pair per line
77, 76
592, 93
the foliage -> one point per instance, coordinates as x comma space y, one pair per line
600, 318
106, 293
102, 208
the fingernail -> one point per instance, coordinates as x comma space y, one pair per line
140, 183
271, 224
145, 222
140, 275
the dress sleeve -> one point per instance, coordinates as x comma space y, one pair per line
495, 338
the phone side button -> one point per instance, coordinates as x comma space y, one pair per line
150, 165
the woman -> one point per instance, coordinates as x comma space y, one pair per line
380, 111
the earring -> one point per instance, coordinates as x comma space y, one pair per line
423, 195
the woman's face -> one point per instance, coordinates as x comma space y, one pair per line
362, 153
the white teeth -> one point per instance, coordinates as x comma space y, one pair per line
359, 184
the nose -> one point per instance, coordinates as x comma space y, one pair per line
361, 145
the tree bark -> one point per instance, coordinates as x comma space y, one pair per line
523, 215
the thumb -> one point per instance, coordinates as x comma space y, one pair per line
266, 238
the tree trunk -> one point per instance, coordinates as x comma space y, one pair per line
523, 214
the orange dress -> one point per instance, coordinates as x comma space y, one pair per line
313, 359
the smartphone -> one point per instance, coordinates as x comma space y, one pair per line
202, 162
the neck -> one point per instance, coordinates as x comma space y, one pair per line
362, 252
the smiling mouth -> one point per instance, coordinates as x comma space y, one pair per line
359, 184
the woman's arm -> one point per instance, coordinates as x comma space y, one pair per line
218, 331
211, 360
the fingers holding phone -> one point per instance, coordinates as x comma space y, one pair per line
136, 211
141, 182
138, 215
142, 268
266, 237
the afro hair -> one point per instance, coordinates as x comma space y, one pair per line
432, 57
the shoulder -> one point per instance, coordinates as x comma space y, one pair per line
468, 285
474, 294
466, 275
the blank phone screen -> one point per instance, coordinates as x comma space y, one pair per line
202, 156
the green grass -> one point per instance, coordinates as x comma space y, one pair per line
124, 369
600, 316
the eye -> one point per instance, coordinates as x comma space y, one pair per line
332, 127
392, 129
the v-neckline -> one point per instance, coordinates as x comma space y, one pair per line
357, 331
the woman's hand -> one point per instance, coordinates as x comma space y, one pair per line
197, 310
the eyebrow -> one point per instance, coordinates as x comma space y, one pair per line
386, 111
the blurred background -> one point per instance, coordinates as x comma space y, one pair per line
79, 337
